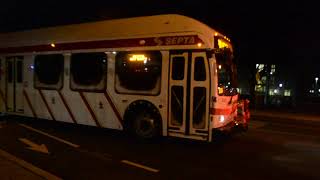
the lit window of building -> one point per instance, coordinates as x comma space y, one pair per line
239, 90
259, 88
271, 92
273, 69
287, 92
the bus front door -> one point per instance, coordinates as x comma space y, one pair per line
189, 96
14, 84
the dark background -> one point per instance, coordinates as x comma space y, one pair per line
280, 32
268, 30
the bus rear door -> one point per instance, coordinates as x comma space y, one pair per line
189, 95
14, 84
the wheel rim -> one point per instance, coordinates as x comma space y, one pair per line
145, 126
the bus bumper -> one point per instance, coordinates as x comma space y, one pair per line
239, 124
225, 130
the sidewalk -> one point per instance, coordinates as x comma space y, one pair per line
13, 168
280, 116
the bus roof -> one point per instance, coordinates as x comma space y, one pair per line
169, 25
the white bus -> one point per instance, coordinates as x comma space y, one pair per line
167, 75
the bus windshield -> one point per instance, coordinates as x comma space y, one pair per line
227, 74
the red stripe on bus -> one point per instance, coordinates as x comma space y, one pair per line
46, 103
114, 108
119, 43
29, 104
67, 107
216, 111
90, 110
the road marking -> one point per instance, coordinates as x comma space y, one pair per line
140, 166
35, 147
28, 166
48, 135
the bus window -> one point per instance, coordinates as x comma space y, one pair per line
227, 74
177, 105
199, 69
19, 71
49, 71
9, 71
88, 71
138, 72
178, 68
199, 107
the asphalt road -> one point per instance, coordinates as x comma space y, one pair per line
267, 151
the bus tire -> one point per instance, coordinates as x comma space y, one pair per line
144, 121
146, 126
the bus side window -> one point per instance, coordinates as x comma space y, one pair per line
199, 69
178, 64
138, 72
48, 73
88, 71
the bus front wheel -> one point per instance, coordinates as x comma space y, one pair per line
146, 126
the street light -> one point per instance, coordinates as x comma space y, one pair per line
280, 85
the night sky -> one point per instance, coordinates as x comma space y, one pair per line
270, 31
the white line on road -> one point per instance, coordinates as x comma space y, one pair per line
48, 135
140, 166
28, 166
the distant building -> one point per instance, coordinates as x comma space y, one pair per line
272, 83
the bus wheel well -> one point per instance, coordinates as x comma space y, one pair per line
146, 110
